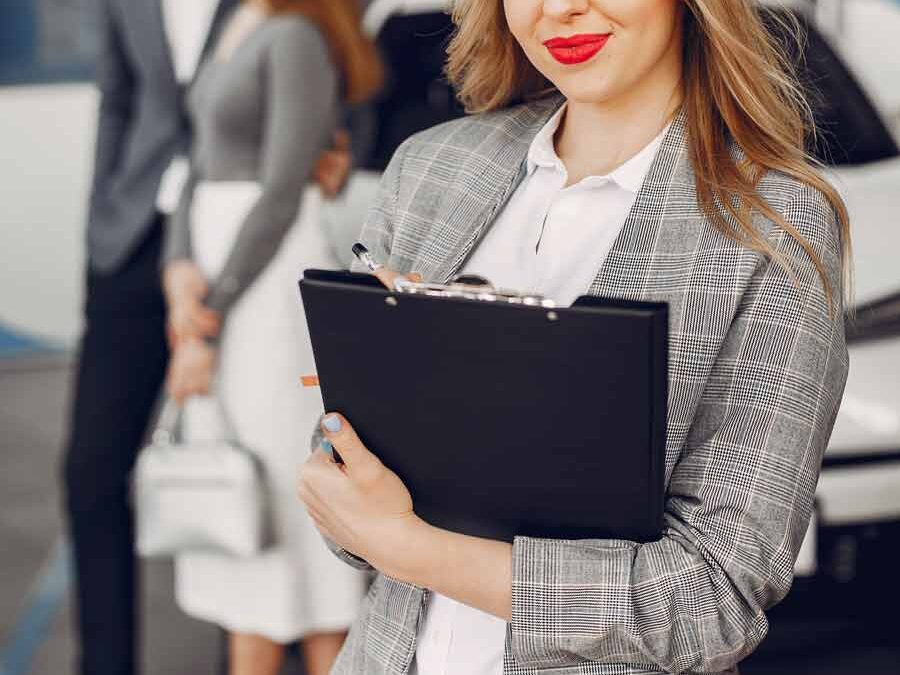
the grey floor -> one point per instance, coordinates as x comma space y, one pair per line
33, 404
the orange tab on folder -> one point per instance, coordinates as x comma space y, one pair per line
310, 380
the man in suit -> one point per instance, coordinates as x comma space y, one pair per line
149, 53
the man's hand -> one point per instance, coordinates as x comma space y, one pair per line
333, 167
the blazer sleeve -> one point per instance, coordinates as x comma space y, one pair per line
738, 501
354, 561
302, 109
378, 229
116, 83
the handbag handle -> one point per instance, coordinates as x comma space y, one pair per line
170, 415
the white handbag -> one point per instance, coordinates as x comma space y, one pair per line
198, 496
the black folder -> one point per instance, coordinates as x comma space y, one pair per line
501, 419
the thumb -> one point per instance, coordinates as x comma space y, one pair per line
343, 437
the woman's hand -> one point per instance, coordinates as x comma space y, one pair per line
361, 505
185, 288
190, 370
333, 167
388, 278
364, 507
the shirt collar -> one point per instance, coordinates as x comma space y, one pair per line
629, 175
542, 152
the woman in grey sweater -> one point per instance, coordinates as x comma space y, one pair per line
265, 107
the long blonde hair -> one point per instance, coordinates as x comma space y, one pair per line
354, 52
738, 85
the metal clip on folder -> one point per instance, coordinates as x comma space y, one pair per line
465, 287
472, 287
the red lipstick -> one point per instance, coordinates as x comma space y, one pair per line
577, 48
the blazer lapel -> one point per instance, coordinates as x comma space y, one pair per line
489, 180
634, 255
155, 23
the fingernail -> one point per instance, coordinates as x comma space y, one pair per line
327, 447
332, 423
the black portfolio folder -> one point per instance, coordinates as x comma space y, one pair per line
501, 419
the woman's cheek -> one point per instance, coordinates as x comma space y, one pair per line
634, 14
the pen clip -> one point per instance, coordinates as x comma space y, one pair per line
362, 254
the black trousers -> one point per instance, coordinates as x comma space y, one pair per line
122, 364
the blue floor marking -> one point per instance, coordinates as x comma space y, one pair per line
42, 605
14, 343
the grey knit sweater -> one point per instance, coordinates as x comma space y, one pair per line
265, 114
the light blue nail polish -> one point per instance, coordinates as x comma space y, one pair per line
332, 423
327, 447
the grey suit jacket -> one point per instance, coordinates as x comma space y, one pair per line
758, 363
142, 126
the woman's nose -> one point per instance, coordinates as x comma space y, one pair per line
564, 10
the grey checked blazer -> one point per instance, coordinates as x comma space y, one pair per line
757, 369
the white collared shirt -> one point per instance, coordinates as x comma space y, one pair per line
549, 239
187, 24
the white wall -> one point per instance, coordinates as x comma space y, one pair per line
46, 145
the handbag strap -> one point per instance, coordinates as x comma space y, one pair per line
164, 434
169, 416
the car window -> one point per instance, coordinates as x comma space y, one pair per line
850, 129
875, 320
416, 95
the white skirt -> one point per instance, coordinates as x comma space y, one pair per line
298, 587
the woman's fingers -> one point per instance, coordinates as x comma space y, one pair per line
190, 371
207, 321
333, 166
173, 389
315, 479
342, 140
192, 319
389, 277
342, 436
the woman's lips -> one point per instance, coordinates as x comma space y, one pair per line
576, 49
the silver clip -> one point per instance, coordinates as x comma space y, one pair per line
470, 287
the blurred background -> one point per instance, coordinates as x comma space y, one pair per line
843, 615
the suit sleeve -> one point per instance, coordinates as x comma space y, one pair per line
116, 83
302, 109
738, 502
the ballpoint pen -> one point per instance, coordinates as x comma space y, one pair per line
362, 254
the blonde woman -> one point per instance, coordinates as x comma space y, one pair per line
265, 106
640, 149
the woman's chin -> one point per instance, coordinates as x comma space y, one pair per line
588, 93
